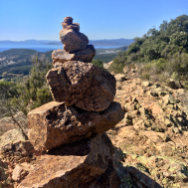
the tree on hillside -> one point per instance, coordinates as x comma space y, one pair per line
8, 91
30, 92
158, 47
34, 91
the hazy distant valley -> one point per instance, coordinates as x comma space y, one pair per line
17, 62
45, 45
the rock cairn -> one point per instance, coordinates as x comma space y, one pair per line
69, 132
75, 44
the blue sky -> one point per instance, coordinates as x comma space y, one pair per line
99, 19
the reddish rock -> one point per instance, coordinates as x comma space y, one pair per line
20, 171
74, 26
68, 20
19, 149
61, 56
10, 137
73, 166
75, 44
73, 40
54, 124
109, 179
84, 85
70, 36
85, 55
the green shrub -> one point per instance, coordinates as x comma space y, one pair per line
43, 96
118, 63
159, 51
98, 63
28, 93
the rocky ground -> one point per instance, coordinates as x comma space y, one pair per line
153, 135
151, 140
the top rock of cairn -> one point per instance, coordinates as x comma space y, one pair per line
75, 44
67, 24
70, 36
68, 20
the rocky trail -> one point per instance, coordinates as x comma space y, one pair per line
152, 139
153, 135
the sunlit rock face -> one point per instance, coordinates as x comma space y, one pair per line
68, 134
82, 84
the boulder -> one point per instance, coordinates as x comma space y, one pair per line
73, 40
20, 171
18, 150
75, 165
7, 123
11, 137
84, 85
54, 124
62, 56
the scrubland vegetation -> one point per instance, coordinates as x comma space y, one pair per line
161, 54
25, 93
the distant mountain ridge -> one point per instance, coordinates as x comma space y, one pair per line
112, 42
102, 42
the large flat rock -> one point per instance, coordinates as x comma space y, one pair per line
77, 165
84, 85
61, 56
54, 124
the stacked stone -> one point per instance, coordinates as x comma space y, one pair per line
71, 128
75, 44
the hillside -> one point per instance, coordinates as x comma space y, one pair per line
18, 62
162, 54
153, 135
147, 121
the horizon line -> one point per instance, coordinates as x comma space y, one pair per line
60, 41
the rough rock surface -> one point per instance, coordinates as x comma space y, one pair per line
67, 24
68, 20
62, 56
11, 136
3, 175
73, 26
86, 161
70, 36
18, 150
153, 135
20, 171
54, 124
152, 139
7, 123
82, 84
73, 40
